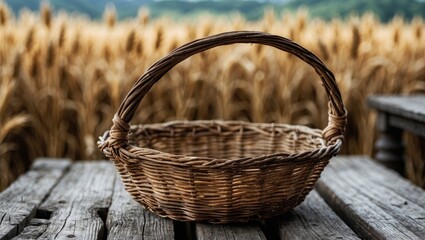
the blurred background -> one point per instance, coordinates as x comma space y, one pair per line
65, 66
252, 10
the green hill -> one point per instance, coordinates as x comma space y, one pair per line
384, 9
252, 10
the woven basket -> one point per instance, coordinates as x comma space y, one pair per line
221, 171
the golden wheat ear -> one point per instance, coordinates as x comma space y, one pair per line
240, 83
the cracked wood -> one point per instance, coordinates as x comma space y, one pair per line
313, 219
34, 230
128, 220
19, 202
376, 202
76, 201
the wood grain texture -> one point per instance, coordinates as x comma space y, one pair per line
248, 231
76, 201
19, 202
35, 228
128, 220
313, 219
376, 202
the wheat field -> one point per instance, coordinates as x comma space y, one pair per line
63, 76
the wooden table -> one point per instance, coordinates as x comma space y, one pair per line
355, 198
395, 115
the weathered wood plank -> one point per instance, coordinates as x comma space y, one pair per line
404, 112
19, 202
75, 203
35, 228
247, 231
128, 220
313, 219
411, 107
376, 202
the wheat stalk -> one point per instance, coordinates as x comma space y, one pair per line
62, 78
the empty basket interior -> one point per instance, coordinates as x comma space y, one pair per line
225, 140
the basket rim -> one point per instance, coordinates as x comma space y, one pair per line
141, 154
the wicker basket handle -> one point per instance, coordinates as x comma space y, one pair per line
337, 112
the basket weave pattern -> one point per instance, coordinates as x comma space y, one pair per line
221, 171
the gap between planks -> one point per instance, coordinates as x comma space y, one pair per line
116, 216
375, 201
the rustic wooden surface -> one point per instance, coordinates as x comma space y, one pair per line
313, 219
34, 230
127, 220
375, 202
355, 198
76, 203
248, 231
317, 219
19, 202
404, 112
396, 114
411, 107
